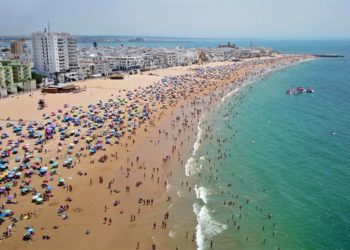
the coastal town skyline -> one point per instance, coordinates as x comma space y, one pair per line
239, 19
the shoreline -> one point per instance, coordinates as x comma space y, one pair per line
199, 209
201, 212
143, 140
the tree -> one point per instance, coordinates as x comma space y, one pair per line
37, 77
95, 44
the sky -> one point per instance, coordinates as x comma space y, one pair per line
295, 19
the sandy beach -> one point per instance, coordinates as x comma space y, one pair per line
114, 157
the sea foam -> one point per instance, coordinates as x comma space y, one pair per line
229, 94
207, 227
202, 194
192, 167
197, 143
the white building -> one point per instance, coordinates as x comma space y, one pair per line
54, 52
129, 62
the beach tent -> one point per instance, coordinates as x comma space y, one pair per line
68, 161
61, 181
38, 197
54, 165
25, 190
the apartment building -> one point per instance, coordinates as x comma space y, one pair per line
54, 53
17, 47
15, 77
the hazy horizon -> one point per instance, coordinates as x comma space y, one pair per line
194, 38
265, 19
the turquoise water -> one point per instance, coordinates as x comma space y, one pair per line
285, 46
289, 156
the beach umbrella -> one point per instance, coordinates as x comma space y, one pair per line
69, 160
28, 171
30, 229
39, 200
43, 170
10, 197
61, 181
3, 167
7, 212
36, 196
48, 130
9, 184
10, 175
26, 235
54, 164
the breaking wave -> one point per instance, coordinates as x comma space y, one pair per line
192, 167
207, 227
202, 194
197, 143
229, 94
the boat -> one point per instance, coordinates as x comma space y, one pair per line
290, 92
299, 90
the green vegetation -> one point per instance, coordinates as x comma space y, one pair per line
37, 77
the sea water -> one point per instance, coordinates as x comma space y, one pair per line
279, 178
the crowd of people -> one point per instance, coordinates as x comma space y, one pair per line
78, 132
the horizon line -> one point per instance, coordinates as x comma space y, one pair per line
188, 37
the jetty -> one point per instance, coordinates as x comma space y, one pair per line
328, 55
